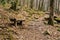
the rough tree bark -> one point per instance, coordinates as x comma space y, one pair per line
51, 18
39, 5
31, 3
41, 8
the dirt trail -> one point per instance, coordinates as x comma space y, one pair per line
34, 31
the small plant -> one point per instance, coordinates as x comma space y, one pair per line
58, 29
57, 20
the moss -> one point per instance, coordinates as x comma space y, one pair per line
57, 18
58, 29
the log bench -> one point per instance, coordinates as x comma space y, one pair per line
12, 21
16, 22
20, 22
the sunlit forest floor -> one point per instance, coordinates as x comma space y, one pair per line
34, 27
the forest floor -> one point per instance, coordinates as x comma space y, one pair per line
33, 28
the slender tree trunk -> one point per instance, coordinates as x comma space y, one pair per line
42, 5
48, 6
13, 6
58, 7
24, 2
19, 3
51, 18
39, 5
27, 2
31, 3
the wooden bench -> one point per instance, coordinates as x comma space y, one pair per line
13, 21
16, 22
20, 22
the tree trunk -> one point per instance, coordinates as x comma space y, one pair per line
39, 5
41, 8
13, 6
31, 3
51, 18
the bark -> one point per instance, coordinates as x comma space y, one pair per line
42, 5
31, 5
51, 18
39, 5
13, 6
